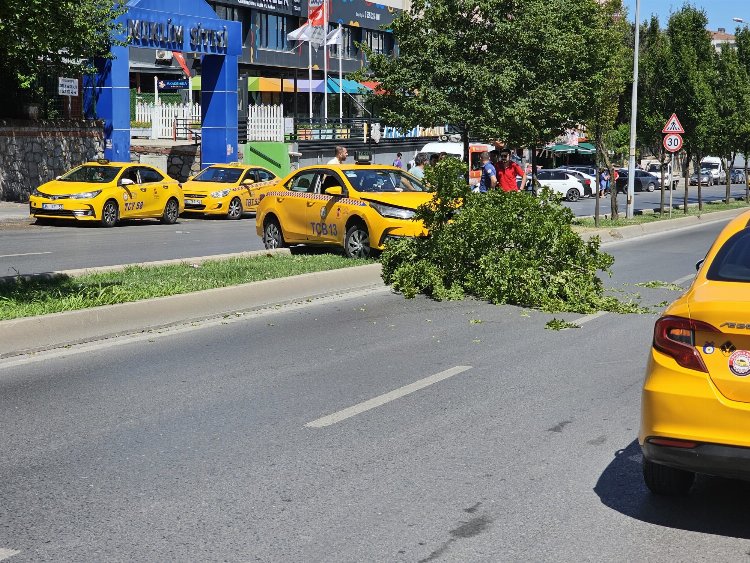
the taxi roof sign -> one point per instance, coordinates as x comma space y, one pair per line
673, 125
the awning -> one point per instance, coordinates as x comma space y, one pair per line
580, 148
262, 84
349, 86
586, 148
372, 85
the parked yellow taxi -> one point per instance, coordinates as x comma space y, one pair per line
106, 192
227, 189
354, 206
695, 410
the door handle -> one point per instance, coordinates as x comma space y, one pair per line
310, 203
165, 186
143, 189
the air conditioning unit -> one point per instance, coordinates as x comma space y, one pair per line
162, 55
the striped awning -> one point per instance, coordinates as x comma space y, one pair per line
263, 84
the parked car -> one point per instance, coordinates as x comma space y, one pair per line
705, 178
589, 182
738, 176
562, 182
644, 181
714, 166
669, 177
588, 170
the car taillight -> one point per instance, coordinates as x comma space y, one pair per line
675, 337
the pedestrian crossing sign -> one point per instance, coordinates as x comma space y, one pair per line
673, 125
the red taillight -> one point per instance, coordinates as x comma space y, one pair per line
675, 337
672, 443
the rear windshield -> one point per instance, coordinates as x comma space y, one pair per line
93, 174
710, 165
370, 180
219, 174
732, 262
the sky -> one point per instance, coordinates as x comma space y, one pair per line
719, 12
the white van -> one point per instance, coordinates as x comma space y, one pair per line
713, 165
457, 150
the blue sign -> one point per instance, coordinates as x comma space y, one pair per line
180, 84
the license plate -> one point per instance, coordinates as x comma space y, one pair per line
192, 202
52, 206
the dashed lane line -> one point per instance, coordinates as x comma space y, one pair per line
385, 398
6, 553
24, 254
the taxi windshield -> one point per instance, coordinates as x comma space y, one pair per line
219, 174
369, 180
92, 174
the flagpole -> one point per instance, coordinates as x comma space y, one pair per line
309, 76
325, 61
340, 48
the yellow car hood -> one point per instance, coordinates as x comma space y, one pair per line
56, 187
206, 187
408, 200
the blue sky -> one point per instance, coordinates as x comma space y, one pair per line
719, 12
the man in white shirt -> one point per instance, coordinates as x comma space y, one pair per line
418, 169
340, 157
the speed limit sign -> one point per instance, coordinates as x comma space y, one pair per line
673, 142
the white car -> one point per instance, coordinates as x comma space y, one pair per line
562, 182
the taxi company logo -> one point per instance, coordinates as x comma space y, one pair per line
708, 348
739, 363
727, 348
732, 324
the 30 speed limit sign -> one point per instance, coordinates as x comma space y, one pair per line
673, 142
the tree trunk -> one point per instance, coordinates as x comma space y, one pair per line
686, 174
663, 164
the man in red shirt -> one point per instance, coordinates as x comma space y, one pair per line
507, 171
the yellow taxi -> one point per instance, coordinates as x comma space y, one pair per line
227, 189
695, 407
106, 192
354, 206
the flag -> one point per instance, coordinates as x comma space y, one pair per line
311, 30
180, 59
315, 18
334, 37
303, 33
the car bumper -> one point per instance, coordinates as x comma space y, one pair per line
409, 229
71, 209
683, 404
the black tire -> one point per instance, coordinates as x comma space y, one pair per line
651, 186
357, 242
235, 209
171, 212
110, 213
663, 480
573, 194
272, 234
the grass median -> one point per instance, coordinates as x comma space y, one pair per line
27, 297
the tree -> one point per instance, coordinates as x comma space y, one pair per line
39, 38
742, 38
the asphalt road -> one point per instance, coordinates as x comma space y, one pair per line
487, 438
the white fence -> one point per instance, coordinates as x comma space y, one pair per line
163, 117
265, 123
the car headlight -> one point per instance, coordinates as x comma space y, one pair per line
220, 193
85, 195
393, 212
37, 193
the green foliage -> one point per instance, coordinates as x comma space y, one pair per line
503, 247
560, 324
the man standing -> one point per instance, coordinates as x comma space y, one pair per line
340, 157
488, 180
508, 171
418, 169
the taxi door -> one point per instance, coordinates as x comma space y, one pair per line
132, 197
155, 190
325, 220
291, 207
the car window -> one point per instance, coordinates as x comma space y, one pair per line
131, 174
304, 182
558, 175
249, 175
264, 175
94, 174
373, 180
330, 181
543, 175
150, 175
732, 262
224, 175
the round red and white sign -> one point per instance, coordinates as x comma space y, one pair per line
673, 142
739, 363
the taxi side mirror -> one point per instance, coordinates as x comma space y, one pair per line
126, 182
247, 181
334, 190
699, 263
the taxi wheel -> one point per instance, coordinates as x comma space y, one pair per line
110, 214
171, 211
357, 242
272, 236
663, 480
235, 209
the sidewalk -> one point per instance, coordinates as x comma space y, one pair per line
10, 211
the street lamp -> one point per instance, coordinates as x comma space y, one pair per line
633, 115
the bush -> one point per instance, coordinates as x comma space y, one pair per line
509, 248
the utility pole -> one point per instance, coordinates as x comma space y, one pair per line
633, 114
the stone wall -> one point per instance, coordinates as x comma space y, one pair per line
177, 160
34, 152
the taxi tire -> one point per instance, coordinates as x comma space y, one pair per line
234, 211
664, 480
171, 211
357, 242
272, 232
110, 213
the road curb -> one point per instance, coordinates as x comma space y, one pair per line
34, 334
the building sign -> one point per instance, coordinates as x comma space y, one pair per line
67, 86
180, 84
361, 13
143, 33
291, 7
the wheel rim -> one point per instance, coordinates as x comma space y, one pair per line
109, 213
273, 236
172, 210
358, 245
235, 209
572, 194
651, 187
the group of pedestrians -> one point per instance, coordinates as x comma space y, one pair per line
604, 181
499, 171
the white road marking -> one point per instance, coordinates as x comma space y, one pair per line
5, 553
385, 398
683, 279
588, 318
25, 254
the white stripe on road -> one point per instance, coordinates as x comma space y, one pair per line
25, 254
386, 398
5, 553
683, 279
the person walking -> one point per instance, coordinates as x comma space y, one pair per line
397, 161
340, 155
418, 169
488, 180
508, 171
603, 181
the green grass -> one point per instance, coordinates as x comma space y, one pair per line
41, 296
588, 222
